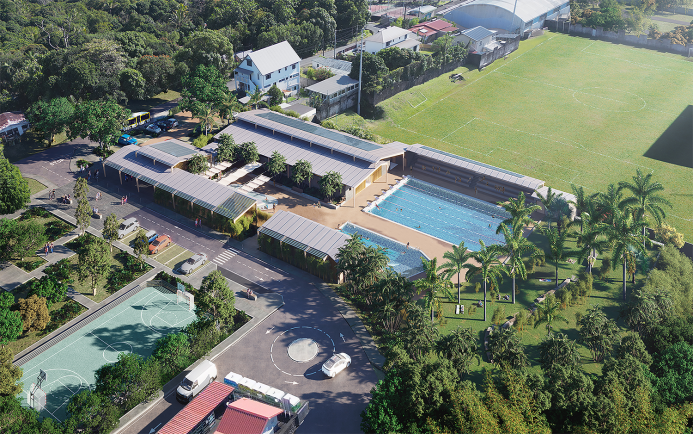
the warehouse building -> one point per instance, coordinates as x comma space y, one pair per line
513, 16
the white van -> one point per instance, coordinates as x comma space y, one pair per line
196, 381
128, 226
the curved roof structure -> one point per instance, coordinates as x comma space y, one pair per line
527, 10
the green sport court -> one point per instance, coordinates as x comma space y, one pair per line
132, 326
566, 110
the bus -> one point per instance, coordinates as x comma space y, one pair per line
136, 119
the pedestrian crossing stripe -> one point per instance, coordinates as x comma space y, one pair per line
225, 256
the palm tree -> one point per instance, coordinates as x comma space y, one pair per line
548, 313
608, 202
645, 199
433, 284
556, 245
519, 213
489, 268
255, 97
581, 202
515, 247
593, 239
625, 235
456, 260
547, 201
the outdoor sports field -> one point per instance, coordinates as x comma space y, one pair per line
565, 110
132, 326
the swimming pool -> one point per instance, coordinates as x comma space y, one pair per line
402, 260
441, 213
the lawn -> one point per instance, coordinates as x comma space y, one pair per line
146, 104
35, 186
54, 229
566, 110
120, 276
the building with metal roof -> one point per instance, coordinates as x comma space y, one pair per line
476, 38
277, 64
197, 415
246, 416
425, 11
509, 15
429, 31
388, 37
340, 67
214, 198
334, 87
467, 173
360, 162
299, 241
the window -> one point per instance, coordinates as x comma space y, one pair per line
285, 68
388, 43
293, 66
268, 76
250, 62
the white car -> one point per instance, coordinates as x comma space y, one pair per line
192, 263
336, 364
153, 128
128, 226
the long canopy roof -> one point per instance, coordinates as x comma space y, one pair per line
304, 234
475, 166
197, 189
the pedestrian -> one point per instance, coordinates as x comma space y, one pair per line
126, 198
97, 176
195, 221
122, 200
89, 176
45, 248
407, 245
51, 246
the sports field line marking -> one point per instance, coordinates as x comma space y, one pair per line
457, 129
425, 99
642, 65
588, 46
681, 218
58, 380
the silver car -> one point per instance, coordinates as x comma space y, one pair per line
192, 263
128, 226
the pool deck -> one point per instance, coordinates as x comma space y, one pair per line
432, 247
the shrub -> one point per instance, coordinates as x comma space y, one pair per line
329, 123
49, 288
202, 140
605, 269
499, 316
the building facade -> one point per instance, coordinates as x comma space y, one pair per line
508, 15
391, 37
277, 64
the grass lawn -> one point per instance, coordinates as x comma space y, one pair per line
54, 229
566, 110
146, 104
60, 314
30, 144
106, 287
35, 186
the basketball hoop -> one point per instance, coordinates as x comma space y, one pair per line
185, 297
37, 397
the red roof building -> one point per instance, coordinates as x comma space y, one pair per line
432, 30
246, 416
201, 410
13, 123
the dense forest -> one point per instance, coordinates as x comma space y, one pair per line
122, 49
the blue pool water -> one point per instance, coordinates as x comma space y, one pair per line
402, 260
442, 213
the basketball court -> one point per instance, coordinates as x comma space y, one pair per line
133, 326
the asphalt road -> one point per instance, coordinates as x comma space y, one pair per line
53, 164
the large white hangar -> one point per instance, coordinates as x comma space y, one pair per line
508, 15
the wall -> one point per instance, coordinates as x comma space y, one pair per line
336, 106
481, 60
621, 38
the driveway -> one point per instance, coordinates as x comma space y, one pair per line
53, 164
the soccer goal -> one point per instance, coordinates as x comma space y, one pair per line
185, 298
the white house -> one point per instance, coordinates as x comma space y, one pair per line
477, 38
277, 64
13, 124
391, 37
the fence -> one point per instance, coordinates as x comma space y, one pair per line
481, 60
620, 37
336, 106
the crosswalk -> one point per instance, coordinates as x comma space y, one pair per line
225, 256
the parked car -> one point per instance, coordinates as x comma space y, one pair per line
128, 226
160, 243
167, 124
153, 129
151, 236
336, 364
192, 263
196, 381
126, 139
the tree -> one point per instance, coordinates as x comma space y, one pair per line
632, 345
255, 97
489, 268
204, 92
14, 189
419, 335
666, 233
81, 189
248, 152
6, 300
98, 121
433, 284
460, 347
556, 241
572, 397
91, 412
11, 326
227, 149
625, 236
645, 200
516, 246
547, 312
132, 83
557, 349
94, 262
592, 239
331, 183
374, 70
598, 333
520, 213
581, 202
49, 288
9, 373
547, 200
51, 117
393, 295
206, 115
216, 299
140, 244
455, 264
198, 164
158, 73
17, 418
34, 313
302, 171
110, 229
499, 316
276, 164
129, 381
276, 95
673, 371
209, 49
506, 348
25, 238
83, 214
362, 266
173, 352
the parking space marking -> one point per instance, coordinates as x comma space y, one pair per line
177, 233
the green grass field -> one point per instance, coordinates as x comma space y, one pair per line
564, 110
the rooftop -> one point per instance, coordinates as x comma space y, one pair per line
332, 85
434, 26
527, 10
408, 43
305, 234
274, 57
422, 9
478, 33
389, 34
335, 65
246, 416
200, 407
10, 118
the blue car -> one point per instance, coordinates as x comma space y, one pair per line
127, 140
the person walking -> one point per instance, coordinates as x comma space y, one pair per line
51, 246
45, 249
96, 175
126, 198
122, 200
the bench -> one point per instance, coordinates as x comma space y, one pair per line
98, 216
252, 297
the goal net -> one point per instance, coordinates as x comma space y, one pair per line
185, 298
36, 398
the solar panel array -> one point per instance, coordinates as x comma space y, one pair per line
172, 148
159, 156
